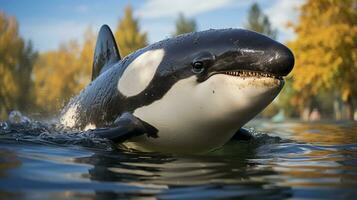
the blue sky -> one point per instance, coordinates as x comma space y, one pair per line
48, 23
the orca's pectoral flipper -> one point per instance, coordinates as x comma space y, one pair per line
242, 134
126, 127
106, 52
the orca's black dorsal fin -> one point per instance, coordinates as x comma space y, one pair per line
106, 52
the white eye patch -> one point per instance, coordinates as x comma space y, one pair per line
140, 72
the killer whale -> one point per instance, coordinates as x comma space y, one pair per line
189, 93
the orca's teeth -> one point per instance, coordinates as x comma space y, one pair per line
250, 74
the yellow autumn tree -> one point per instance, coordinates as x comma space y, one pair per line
8, 60
326, 50
86, 56
16, 61
127, 34
62, 73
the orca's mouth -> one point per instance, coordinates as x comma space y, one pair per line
248, 74
243, 74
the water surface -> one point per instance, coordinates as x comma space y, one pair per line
284, 160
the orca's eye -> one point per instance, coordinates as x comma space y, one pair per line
197, 67
202, 62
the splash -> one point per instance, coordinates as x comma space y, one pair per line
20, 128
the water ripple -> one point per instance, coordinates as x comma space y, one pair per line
291, 160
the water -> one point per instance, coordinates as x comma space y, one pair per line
284, 160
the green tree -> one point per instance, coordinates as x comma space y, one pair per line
127, 34
184, 25
326, 51
259, 22
24, 80
16, 61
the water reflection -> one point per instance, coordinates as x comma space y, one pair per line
189, 176
8, 160
321, 156
329, 133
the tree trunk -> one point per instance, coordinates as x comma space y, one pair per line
337, 107
305, 112
349, 108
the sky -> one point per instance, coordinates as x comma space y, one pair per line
48, 23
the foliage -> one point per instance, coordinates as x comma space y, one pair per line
16, 61
326, 49
128, 35
184, 25
62, 73
27, 61
259, 22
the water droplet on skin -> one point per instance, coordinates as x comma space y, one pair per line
236, 42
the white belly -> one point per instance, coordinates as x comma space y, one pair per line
198, 117
183, 141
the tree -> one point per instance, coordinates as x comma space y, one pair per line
55, 77
184, 25
86, 57
16, 61
326, 50
24, 80
128, 36
259, 22
62, 73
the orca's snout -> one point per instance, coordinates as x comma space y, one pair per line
282, 60
251, 51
